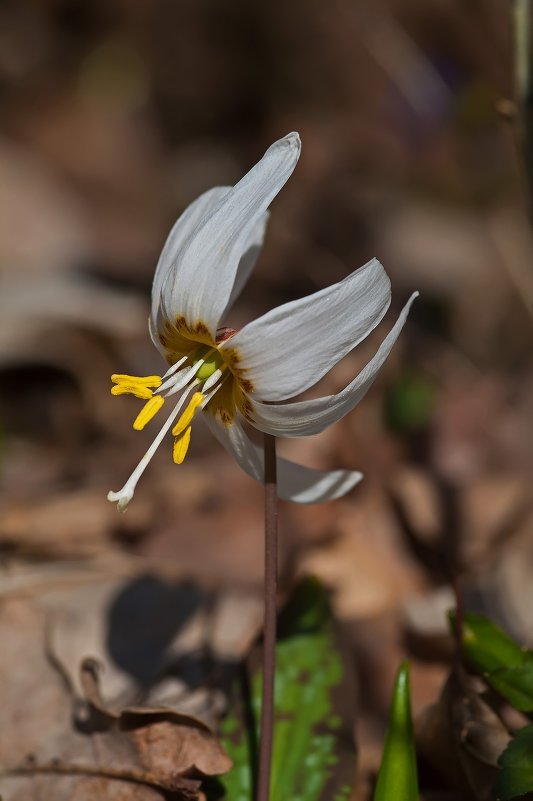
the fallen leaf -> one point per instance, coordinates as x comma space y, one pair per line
463, 737
68, 745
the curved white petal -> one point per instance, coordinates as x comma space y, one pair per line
290, 348
305, 485
184, 226
295, 482
200, 285
304, 418
248, 259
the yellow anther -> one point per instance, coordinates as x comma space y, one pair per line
135, 385
187, 416
141, 380
130, 389
149, 410
181, 445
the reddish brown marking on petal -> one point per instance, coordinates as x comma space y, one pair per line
225, 333
198, 332
246, 384
233, 359
245, 406
178, 343
222, 405
231, 356
173, 356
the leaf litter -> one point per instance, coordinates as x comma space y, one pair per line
92, 179
60, 741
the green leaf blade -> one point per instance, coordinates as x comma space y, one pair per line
486, 646
506, 666
397, 777
515, 684
311, 759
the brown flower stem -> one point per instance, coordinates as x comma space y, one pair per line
523, 93
269, 631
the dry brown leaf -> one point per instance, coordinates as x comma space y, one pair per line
61, 749
462, 736
365, 563
168, 743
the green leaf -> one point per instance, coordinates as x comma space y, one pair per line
515, 684
516, 763
486, 646
397, 777
506, 666
313, 754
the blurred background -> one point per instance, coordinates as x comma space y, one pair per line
114, 116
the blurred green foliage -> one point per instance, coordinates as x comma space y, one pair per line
309, 735
508, 669
516, 762
409, 403
506, 666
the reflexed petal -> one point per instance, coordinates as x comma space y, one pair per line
248, 259
305, 485
304, 418
184, 226
290, 348
295, 482
200, 285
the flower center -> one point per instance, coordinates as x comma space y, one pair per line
212, 361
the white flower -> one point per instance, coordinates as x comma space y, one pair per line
243, 378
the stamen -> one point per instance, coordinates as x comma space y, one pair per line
172, 369
145, 381
213, 392
212, 380
189, 373
148, 411
181, 445
187, 416
124, 496
173, 380
135, 385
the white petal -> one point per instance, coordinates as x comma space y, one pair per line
295, 482
201, 282
305, 485
248, 258
290, 348
304, 418
182, 229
